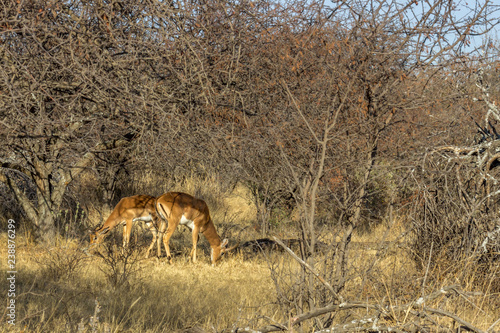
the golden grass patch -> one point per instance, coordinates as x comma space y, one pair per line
62, 289
158, 297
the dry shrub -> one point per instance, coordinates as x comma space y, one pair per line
209, 186
59, 262
119, 265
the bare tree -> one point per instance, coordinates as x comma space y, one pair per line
347, 79
67, 94
456, 206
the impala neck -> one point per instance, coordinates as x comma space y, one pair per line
110, 223
211, 235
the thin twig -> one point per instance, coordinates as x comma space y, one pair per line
427, 270
490, 329
312, 270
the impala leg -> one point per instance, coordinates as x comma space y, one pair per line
158, 245
161, 231
166, 240
124, 236
127, 229
196, 236
155, 237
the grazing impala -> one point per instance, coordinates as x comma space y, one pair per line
138, 208
181, 208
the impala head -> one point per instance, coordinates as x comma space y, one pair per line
97, 236
218, 251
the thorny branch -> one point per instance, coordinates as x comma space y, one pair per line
377, 311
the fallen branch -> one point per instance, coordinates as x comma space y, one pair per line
437, 293
358, 327
455, 318
312, 314
415, 308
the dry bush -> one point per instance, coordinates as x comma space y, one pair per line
385, 289
9, 208
119, 265
454, 203
59, 262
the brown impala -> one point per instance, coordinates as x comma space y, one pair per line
180, 208
138, 208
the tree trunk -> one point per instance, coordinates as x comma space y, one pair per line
49, 191
354, 218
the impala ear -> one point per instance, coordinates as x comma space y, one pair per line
102, 232
224, 243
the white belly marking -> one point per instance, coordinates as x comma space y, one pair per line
147, 218
187, 223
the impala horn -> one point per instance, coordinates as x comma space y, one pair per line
232, 247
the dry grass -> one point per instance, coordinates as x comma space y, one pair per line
58, 289
157, 297
391, 277
62, 289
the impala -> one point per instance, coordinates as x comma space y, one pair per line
138, 208
180, 208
